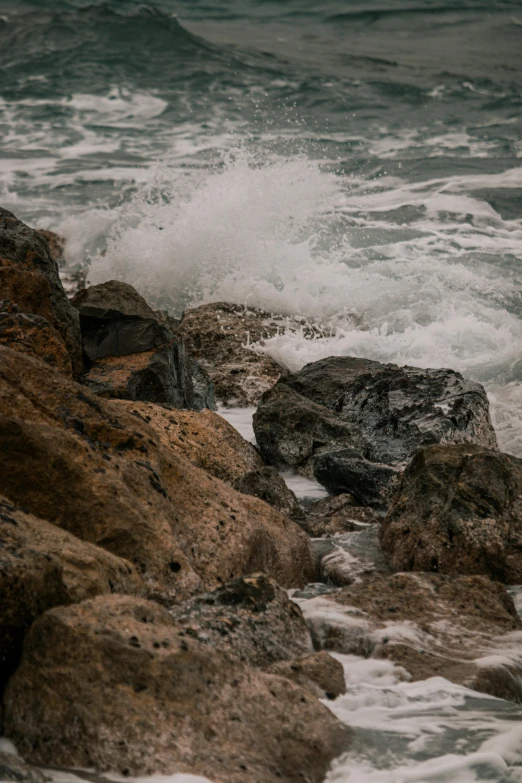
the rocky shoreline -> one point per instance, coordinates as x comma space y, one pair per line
148, 550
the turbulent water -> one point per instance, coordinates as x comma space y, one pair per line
356, 163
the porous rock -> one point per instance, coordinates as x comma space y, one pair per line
464, 629
29, 278
162, 375
458, 511
319, 672
376, 413
103, 474
218, 335
115, 321
251, 617
203, 437
42, 566
31, 334
110, 684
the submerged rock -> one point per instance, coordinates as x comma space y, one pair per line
110, 684
375, 415
31, 334
218, 336
103, 474
115, 321
464, 629
163, 375
251, 617
458, 511
29, 278
42, 566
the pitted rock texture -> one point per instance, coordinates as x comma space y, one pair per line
251, 617
218, 336
458, 511
381, 413
163, 375
110, 684
321, 674
31, 334
29, 278
42, 566
465, 629
115, 321
104, 475
203, 437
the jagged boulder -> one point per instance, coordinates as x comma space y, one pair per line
163, 375
29, 278
110, 684
351, 420
42, 566
458, 511
31, 334
103, 474
115, 321
252, 618
465, 629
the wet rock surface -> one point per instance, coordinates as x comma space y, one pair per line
266, 483
458, 511
318, 672
431, 625
103, 474
111, 684
346, 470
382, 413
42, 566
115, 321
203, 437
31, 334
163, 375
336, 515
14, 770
218, 336
29, 278
251, 617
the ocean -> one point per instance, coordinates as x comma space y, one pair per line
356, 163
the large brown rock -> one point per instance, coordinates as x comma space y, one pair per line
218, 336
252, 618
319, 672
110, 684
31, 334
458, 511
29, 278
103, 474
203, 437
465, 629
42, 566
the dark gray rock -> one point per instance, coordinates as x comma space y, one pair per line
29, 278
116, 321
458, 511
14, 770
343, 471
266, 483
338, 514
163, 375
382, 412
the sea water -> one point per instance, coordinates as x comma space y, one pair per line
357, 163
